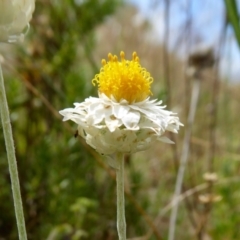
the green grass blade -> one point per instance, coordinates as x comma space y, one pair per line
233, 17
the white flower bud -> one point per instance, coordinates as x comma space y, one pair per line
14, 18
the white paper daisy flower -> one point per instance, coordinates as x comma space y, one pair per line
123, 118
14, 18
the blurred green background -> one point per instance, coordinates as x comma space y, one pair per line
68, 190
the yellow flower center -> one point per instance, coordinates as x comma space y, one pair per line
124, 79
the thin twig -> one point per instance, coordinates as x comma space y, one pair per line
212, 134
194, 190
184, 156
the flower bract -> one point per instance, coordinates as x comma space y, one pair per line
123, 118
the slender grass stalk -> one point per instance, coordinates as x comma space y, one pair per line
121, 222
7, 130
184, 157
166, 53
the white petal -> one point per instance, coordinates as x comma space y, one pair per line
112, 123
146, 112
69, 113
165, 139
131, 120
96, 117
120, 111
94, 107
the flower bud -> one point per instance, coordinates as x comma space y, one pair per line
14, 18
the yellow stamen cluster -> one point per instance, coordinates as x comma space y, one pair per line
124, 79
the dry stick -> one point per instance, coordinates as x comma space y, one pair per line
8, 137
167, 4
188, 205
187, 34
194, 190
212, 133
97, 157
188, 202
189, 193
215, 94
184, 156
168, 102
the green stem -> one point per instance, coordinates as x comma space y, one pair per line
7, 130
121, 222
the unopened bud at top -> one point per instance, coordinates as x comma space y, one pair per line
14, 19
